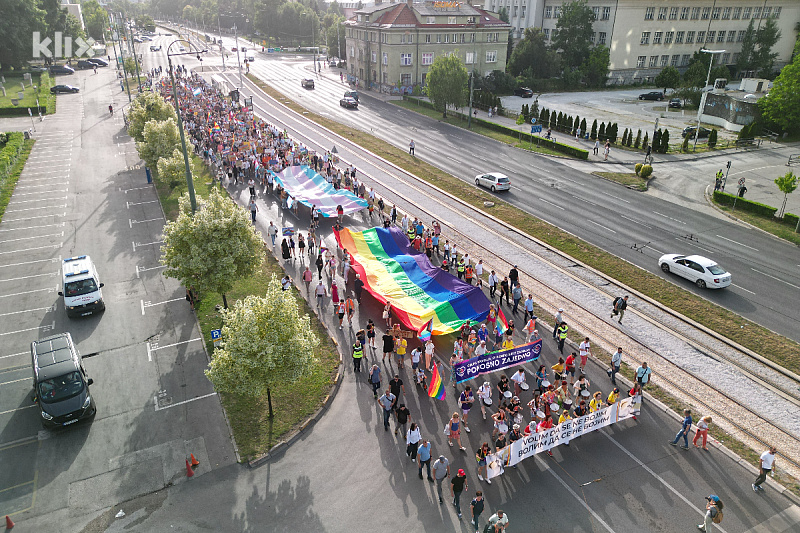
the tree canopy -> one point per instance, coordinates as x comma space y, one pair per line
669, 78
595, 68
756, 53
781, 106
212, 249
532, 58
148, 106
446, 82
161, 137
20, 19
264, 341
573, 33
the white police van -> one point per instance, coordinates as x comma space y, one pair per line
81, 287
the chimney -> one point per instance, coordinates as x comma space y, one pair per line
410, 3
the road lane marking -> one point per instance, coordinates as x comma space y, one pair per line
38, 200
690, 243
735, 242
637, 222
773, 277
612, 196
155, 399
53, 246
48, 309
37, 208
13, 381
17, 409
14, 355
140, 203
602, 226
551, 203
140, 270
739, 287
31, 276
669, 217
51, 260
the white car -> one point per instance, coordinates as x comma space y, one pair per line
704, 272
494, 181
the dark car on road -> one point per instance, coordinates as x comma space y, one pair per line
689, 132
57, 89
83, 64
100, 62
652, 95
61, 69
676, 103
523, 92
155, 47
307, 83
351, 94
349, 102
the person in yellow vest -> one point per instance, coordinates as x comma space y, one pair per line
469, 273
461, 267
561, 335
400, 346
358, 354
412, 232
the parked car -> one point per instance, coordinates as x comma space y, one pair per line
146, 38
495, 181
524, 92
653, 95
234, 49
307, 83
84, 64
689, 131
251, 58
61, 69
704, 272
181, 48
349, 102
38, 68
57, 89
99, 61
676, 103
137, 40
351, 94
155, 47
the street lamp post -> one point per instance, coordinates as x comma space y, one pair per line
189, 183
705, 93
238, 58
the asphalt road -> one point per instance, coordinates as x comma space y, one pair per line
636, 227
83, 192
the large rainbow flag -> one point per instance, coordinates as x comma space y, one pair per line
310, 188
436, 389
419, 292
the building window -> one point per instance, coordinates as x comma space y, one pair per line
740, 36
385, 58
721, 36
427, 58
715, 13
649, 13
706, 13
446, 38
472, 37
684, 60
405, 60
405, 80
737, 11
470, 58
653, 61
593, 37
668, 37
662, 13
701, 37
430, 20
403, 39
673, 13
606, 13
664, 61
657, 37
410, 38
766, 13
557, 12
695, 13
491, 56
515, 12
689, 37
735, 58
386, 78
471, 20
645, 38
427, 38
601, 38
746, 13
438, 38
726, 13
546, 32
640, 61
679, 37
674, 61
757, 12
596, 11
452, 20
732, 36
710, 36
777, 12
684, 13
726, 58
374, 56
463, 37
548, 12
523, 12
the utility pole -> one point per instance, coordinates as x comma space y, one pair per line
469, 116
238, 59
219, 28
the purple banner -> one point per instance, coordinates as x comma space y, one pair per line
494, 361
310, 188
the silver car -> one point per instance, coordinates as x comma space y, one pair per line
495, 181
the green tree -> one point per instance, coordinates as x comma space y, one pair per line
664, 142
781, 106
712, 138
625, 137
531, 58
764, 58
601, 132
212, 249
146, 107
645, 141
573, 33
171, 170
161, 137
638, 141
265, 341
95, 18
446, 82
20, 18
685, 145
502, 14
787, 184
583, 127
595, 67
593, 135
668, 78
744, 62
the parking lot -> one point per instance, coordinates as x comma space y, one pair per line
82, 192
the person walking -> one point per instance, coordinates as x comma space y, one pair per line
411, 147
596, 149
492, 281
606, 150
388, 345
387, 403
253, 210
480, 457
529, 314
685, 429
643, 377
403, 418
358, 354
766, 463
441, 470
307, 277
424, 457
358, 286
466, 399
557, 321
620, 304
516, 295
701, 431
498, 521
320, 292
375, 379
272, 231
505, 290
616, 361
413, 436
458, 485
476, 506
485, 397
454, 431
713, 513
562, 336
320, 265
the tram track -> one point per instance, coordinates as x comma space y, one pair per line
742, 421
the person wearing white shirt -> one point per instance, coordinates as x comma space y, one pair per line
493, 281
480, 349
518, 378
429, 347
416, 353
766, 463
484, 394
479, 272
585, 351
413, 436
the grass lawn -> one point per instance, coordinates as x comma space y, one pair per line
753, 336
292, 404
7, 186
12, 86
629, 179
770, 224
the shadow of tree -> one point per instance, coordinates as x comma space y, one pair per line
286, 509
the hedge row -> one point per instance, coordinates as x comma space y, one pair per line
527, 137
745, 205
10, 152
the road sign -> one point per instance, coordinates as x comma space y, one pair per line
216, 336
536, 129
741, 181
533, 121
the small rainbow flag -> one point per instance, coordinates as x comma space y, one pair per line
436, 389
425, 333
502, 323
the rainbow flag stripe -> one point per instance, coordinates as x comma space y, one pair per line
437, 389
393, 271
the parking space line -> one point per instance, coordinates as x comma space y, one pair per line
16, 195
150, 304
134, 189
34, 218
33, 495
54, 246
131, 222
37, 187
17, 486
57, 225
51, 260
135, 244
17, 409
34, 237
49, 289
38, 200
19, 442
140, 203
48, 327
48, 309
38, 208
140, 270
13, 381
13, 355
155, 399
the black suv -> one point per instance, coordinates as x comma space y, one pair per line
307, 83
676, 103
61, 69
523, 92
653, 95
100, 62
689, 132
85, 64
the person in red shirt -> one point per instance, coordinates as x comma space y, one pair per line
569, 367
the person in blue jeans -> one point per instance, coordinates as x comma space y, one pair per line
387, 402
424, 457
458, 485
375, 379
685, 429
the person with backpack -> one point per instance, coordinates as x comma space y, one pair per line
713, 513
619, 306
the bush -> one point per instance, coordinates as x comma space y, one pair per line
646, 171
638, 168
10, 152
745, 132
665, 142
638, 141
724, 198
601, 131
685, 145
790, 220
593, 136
712, 139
